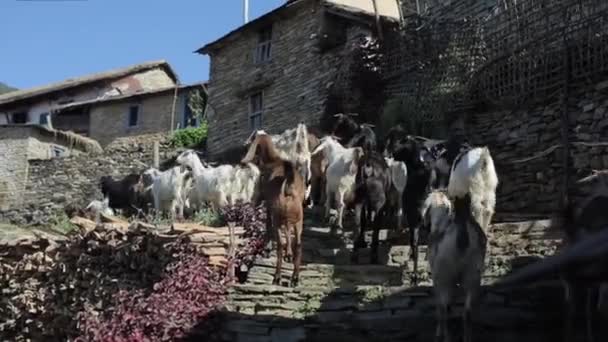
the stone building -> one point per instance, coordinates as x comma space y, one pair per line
20, 144
139, 99
275, 71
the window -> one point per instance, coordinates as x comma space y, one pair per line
133, 116
255, 111
58, 151
44, 119
189, 119
19, 118
262, 51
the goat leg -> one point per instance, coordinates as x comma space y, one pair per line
441, 334
466, 319
589, 314
374, 218
569, 314
277, 274
288, 246
414, 232
297, 253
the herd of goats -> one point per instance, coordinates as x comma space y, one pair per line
446, 187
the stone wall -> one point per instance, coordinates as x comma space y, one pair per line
52, 184
110, 121
527, 151
13, 165
294, 82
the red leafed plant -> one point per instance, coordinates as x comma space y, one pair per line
188, 293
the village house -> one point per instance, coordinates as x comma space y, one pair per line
139, 99
274, 71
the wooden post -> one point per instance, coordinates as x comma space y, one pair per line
173, 107
565, 121
378, 24
156, 154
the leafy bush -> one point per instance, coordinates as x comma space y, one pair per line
188, 293
189, 136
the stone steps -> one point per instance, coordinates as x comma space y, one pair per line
340, 301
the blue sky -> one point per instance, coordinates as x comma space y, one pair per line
45, 41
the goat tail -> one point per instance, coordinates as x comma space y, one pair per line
488, 166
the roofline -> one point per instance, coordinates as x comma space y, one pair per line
129, 96
214, 44
23, 95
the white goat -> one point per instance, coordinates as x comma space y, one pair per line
473, 172
398, 172
340, 174
457, 249
220, 185
97, 207
293, 145
167, 190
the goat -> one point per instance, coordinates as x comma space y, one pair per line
398, 174
122, 194
223, 184
292, 145
457, 250
445, 153
340, 175
373, 182
318, 167
283, 192
97, 207
167, 190
473, 172
354, 134
414, 154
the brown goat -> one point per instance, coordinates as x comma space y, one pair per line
283, 191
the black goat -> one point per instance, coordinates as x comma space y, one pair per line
417, 157
355, 135
373, 181
122, 194
445, 153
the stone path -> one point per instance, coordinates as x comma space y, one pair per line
340, 301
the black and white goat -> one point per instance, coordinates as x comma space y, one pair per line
473, 173
457, 250
373, 183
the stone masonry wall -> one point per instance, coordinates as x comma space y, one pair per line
109, 121
526, 147
13, 165
52, 184
294, 81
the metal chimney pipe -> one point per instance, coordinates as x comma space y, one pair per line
245, 11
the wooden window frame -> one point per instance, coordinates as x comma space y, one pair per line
263, 49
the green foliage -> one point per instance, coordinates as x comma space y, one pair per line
189, 136
197, 103
5, 88
209, 217
60, 223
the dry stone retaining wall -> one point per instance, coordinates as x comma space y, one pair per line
53, 184
527, 148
